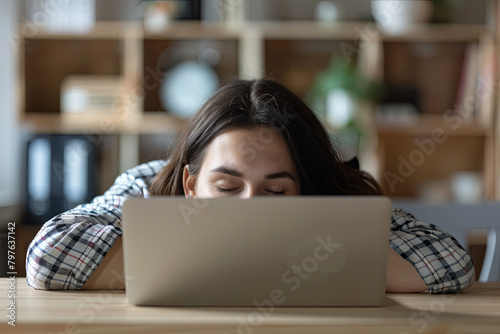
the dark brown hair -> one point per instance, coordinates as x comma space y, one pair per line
264, 102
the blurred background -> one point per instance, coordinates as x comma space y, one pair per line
90, 88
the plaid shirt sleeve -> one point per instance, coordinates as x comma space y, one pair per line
441, 261
70, 246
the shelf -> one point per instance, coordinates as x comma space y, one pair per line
195, 30
351, 30
438, 33
160, 123
213, 30
427, 123
310, 30
266, 29
101, 30
157, 123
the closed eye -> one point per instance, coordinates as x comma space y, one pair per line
224, 190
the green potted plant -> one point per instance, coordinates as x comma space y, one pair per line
341, 76
339, 93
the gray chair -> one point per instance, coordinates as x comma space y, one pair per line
458, 219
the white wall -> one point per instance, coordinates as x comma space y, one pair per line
9, 134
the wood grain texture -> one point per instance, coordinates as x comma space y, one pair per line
476, 310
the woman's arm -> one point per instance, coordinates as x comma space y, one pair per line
70, 246
442, 263
402, 276
109, 274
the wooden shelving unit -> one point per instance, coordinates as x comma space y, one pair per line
429, 58
427, 123
101, 30
293, 53
439, 33
150, 123
494, 145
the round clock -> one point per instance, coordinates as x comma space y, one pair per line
186, 86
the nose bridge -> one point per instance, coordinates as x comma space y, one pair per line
250, 191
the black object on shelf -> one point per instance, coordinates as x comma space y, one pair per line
402, 94
60, 173
184, 9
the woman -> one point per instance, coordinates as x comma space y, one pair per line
250, 138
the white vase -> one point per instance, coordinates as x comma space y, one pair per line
340, 107
395, 16
340, 113
76, 16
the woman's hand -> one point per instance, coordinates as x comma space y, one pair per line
109, 274
402, 276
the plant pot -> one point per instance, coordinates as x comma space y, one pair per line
395, 16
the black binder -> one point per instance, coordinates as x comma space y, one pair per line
60, 173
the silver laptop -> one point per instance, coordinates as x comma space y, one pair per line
263, 251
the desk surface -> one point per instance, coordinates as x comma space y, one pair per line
476, 310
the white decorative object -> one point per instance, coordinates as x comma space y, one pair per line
186, 87
467, 187
159, 14
340, 113
339, 107
395, 16
91, 94
76, 16
327, 11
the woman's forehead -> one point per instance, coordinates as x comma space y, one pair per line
249, 147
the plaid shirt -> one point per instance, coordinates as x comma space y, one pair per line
70, 246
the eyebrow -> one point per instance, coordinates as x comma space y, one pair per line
234, 172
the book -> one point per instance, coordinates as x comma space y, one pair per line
466, 102
485, 85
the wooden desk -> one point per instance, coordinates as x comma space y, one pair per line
477, 310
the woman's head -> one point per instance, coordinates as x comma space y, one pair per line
255, 137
